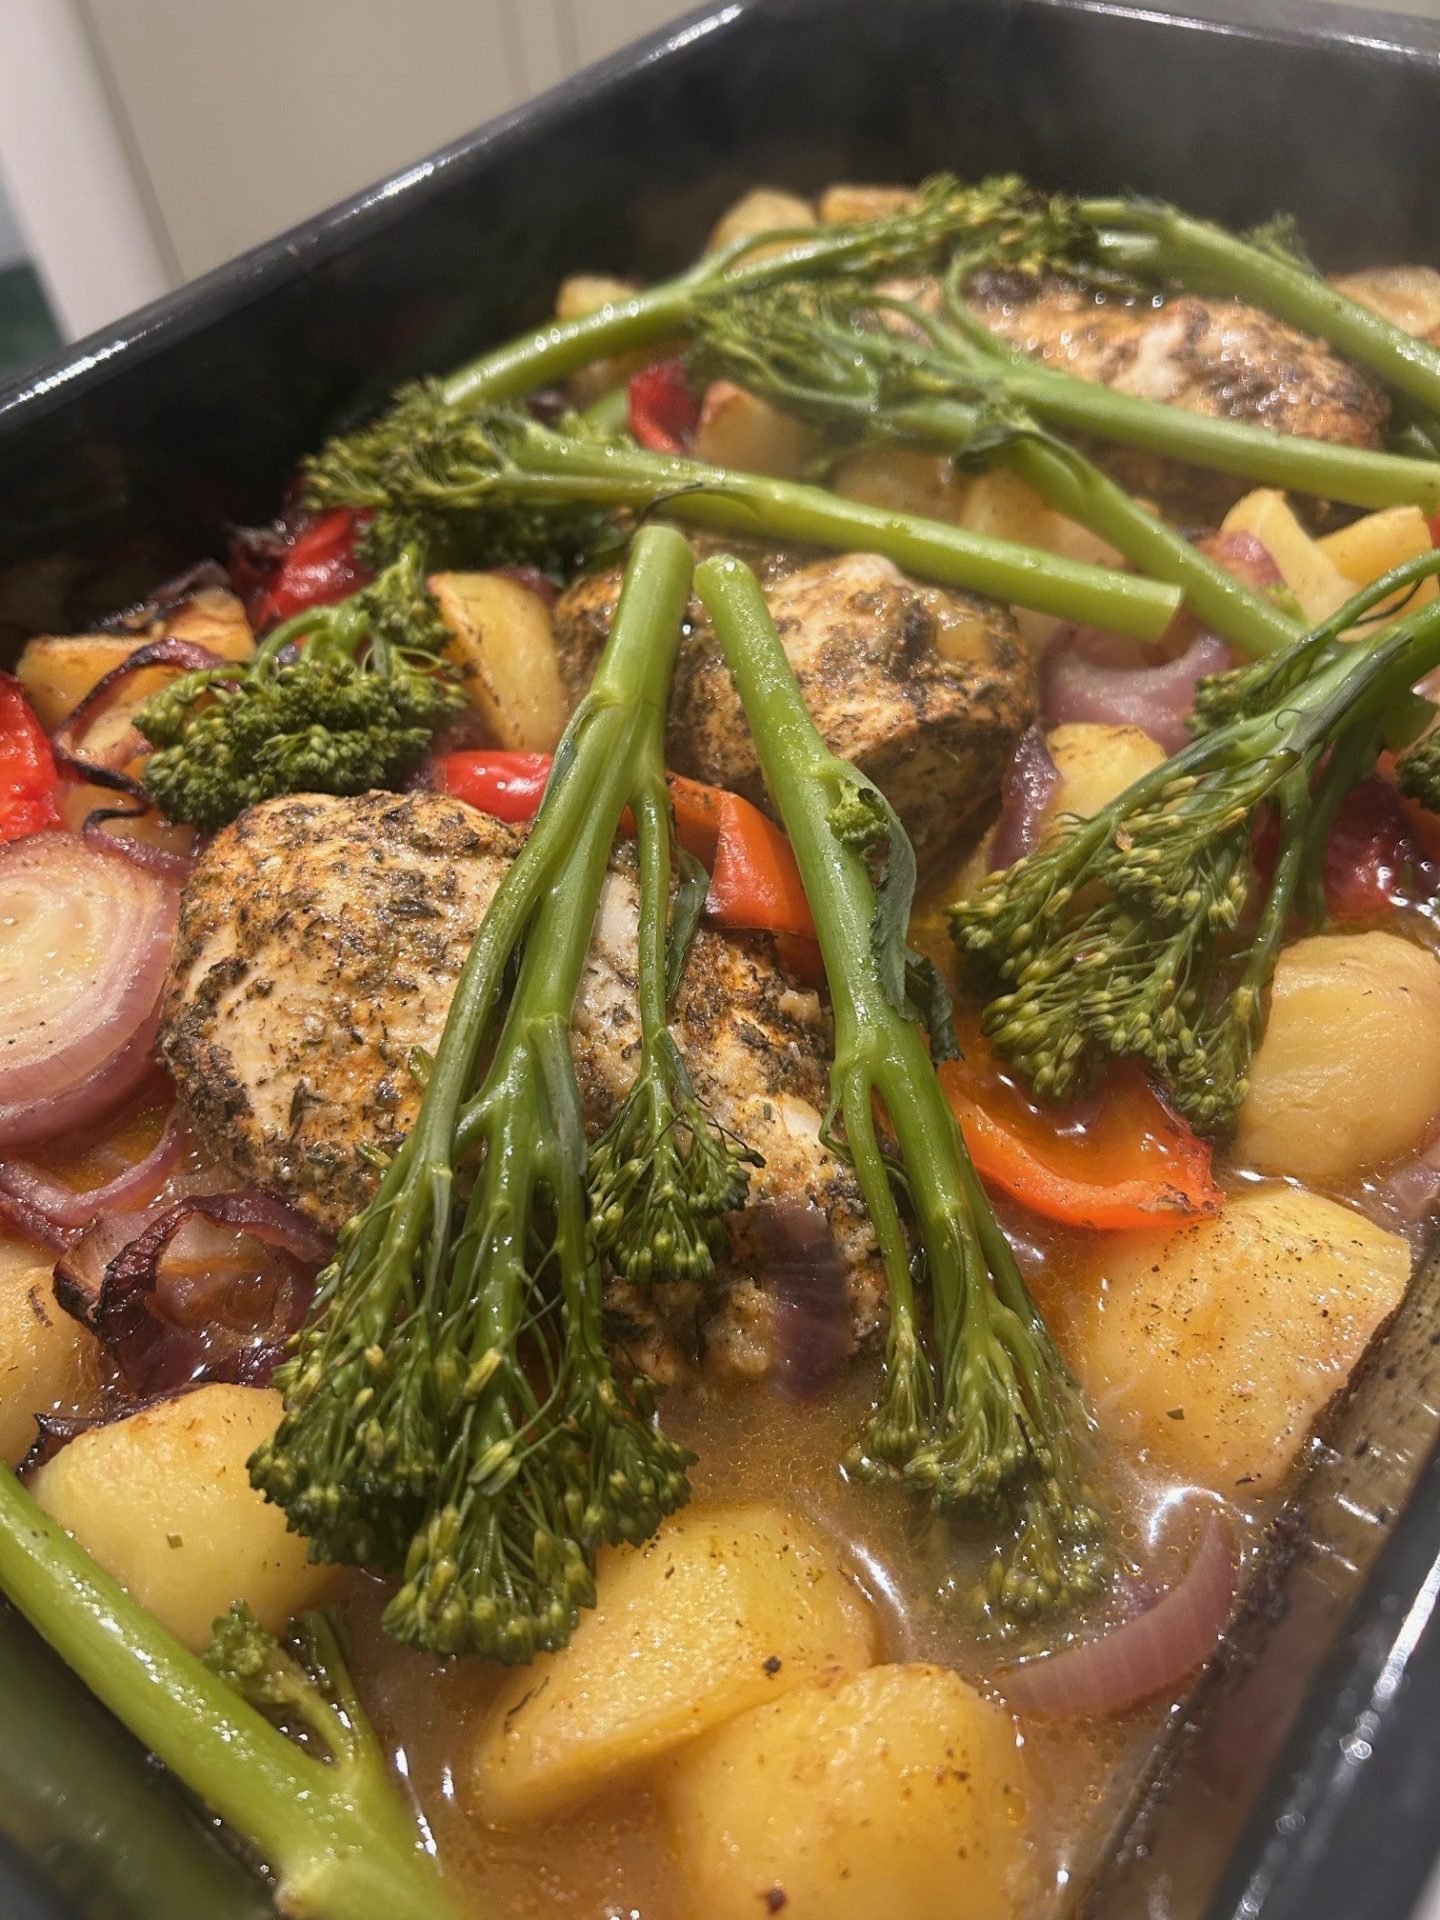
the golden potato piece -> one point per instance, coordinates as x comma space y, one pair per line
761, 210
58, 670
736, 429
504, 651
1095, 763
1305, 567
844, 202
47, 1360
586, 293
905, 480
725, 1608
896, 1794
1003, 507
1219, 1345
162, 1500
1348, 1072
1407, 296
1373, 544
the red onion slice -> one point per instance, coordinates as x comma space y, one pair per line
138, 1318
85, 939
170, 862
799, 1266
1081, 680
1026, 791
105, 767
1149, 1654
69, 1211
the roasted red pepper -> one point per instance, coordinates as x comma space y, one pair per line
29, 785
1117, 1161
311, 562
664, 407
508, 786
754, 881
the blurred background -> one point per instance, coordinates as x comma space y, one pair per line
143, 142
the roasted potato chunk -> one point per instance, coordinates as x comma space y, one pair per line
725, 1608
163, 1501
896, 1794
48, 1362
1220, 1344
503, 648
1347, 1075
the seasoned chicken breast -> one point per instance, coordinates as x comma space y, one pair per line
1213, 356
319, 944
925, 689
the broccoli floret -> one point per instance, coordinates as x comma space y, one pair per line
451, 1413
1417, 772
338, 700
1148, 929
981, 1419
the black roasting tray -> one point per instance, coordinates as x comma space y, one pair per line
126, 457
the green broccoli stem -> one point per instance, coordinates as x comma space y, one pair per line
539, 467
815, 360
354, 1455
1158, 242
992, 1433
1355, 476
337, 1838
939, 214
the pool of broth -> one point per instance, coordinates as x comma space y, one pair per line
613, 1857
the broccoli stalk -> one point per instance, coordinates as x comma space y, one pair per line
941, 215
338, 699
441, 467
1147, 929
338, 1840
1154, 241
824, 358
991, 1427
450, 1411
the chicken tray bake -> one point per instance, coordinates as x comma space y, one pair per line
715, 1075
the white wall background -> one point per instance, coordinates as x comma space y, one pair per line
145, 141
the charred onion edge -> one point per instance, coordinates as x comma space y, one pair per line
123, 1313
67, 741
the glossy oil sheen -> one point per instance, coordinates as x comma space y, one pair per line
129, 456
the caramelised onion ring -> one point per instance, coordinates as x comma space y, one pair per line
1148, 1654
798, 1263
158, 1350
85, 939
168, 861
68, 1211
107, 769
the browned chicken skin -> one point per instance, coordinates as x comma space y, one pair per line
925, 689
1213, 356
319, 944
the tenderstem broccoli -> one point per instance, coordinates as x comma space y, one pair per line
440, 466
338, 699
450, 1411
824, 356
1149, 929
323, 1819
980, 1419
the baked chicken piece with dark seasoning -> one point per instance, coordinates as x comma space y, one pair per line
924, 688
319, 944
1213, 356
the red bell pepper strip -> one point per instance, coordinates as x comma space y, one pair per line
313, 564
508, 786
664, 407
754, 881
29, 784
1116, 1161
